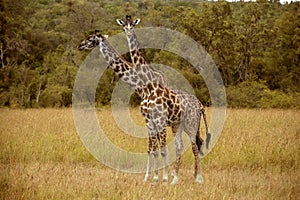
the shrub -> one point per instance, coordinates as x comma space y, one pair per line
56, 96
257, 95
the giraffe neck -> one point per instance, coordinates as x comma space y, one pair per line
135, 50
121, 67
108, 52
145, 71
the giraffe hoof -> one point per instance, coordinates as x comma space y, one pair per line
165, 179
147, 176
155, 179
199, 179
174, 181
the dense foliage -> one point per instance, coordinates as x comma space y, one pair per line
256, 46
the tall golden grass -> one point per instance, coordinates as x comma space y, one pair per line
41, 157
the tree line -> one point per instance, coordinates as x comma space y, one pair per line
256, 46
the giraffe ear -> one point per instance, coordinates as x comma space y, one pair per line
120, 22
136, 22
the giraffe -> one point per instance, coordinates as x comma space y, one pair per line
129, 75
187, 108
151, 76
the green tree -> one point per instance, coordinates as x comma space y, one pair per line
282, 67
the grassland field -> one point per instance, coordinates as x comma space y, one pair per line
42, 157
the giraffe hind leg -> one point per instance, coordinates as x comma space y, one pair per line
197, 172
197, 143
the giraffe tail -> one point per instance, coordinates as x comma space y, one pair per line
199, 142
208, 135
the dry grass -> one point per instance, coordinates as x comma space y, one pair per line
42, 157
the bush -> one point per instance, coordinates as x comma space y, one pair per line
278, 99
258, 95
56, 96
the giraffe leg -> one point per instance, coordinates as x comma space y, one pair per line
164, 154
151, 148
191, 127
155, 177
155, 155
179, 149
164, 162
196, 153
149, 163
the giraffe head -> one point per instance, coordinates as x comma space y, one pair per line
92, 41
128, 24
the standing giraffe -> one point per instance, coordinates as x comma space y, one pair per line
140, 85
186, 107
151, 76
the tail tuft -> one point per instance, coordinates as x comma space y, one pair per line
207, 140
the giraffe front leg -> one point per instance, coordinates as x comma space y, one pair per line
152, 151
155, 140
164, 153
150, 146
148, 171
179, 149
155, 177
164, 163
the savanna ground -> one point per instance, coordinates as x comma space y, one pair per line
41, 157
